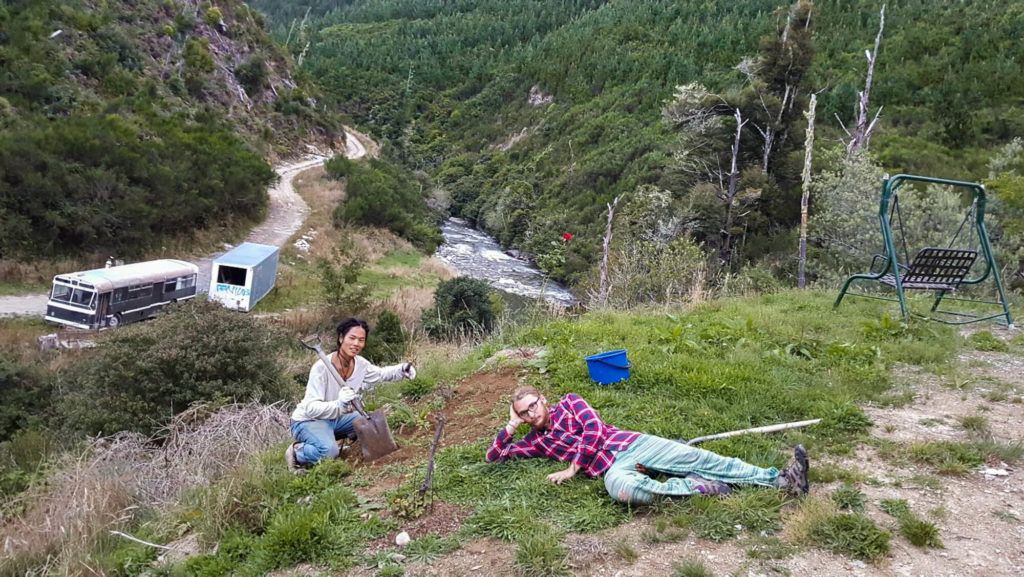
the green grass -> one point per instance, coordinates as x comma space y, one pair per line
986, 341
728, 365
264, 518
849, 498
919, 532
539, 553
852, 534
975, 425
406, 258
954, 458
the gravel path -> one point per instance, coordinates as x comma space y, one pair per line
285, 215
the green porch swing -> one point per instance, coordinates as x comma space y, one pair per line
942, 270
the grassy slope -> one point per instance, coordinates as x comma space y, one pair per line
726, 365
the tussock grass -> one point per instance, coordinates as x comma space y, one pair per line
119, 481
852, 534
919, 532
986, 341
691, 568
849, 498
540, 553
957, 458
626, 551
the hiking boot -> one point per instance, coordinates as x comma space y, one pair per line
707, 486
793, 478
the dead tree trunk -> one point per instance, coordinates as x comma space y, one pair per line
725, 254
861, 135
602, 295
801, 279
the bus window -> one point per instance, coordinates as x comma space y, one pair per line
72, 296
139, 291
232, 275
61, 293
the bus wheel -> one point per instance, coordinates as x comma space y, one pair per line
114, 321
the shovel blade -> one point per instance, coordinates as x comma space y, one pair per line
374, 436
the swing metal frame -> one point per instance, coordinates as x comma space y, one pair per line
943, 270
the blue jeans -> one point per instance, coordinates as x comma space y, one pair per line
627, 485
316, 439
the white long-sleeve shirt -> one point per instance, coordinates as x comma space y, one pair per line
321, 399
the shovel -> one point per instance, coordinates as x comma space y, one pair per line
371, 428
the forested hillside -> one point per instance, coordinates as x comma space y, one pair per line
532, 114
126, 123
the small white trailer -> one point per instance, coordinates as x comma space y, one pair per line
243, 275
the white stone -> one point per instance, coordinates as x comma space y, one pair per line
402, 539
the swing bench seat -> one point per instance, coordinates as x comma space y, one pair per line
933, 268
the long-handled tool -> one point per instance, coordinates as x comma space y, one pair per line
765, 429
371, 428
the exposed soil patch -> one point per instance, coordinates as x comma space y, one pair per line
469, 412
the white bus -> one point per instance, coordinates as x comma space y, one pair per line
108, 297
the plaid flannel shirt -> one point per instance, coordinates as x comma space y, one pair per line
575, 433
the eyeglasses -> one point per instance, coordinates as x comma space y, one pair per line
530, 409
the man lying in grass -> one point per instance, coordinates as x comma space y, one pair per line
572, 431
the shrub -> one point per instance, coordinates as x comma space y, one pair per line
252, 74
25, 396
340, 285
339, 167
213, 16
386, 342
462, 306
384, 195
146, 373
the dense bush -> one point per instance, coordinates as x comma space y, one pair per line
462, 306
382, 194
386, 342
25, 396
143, 374
105, 183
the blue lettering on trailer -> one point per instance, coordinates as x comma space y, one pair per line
232, 289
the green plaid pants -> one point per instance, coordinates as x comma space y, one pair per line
627, 485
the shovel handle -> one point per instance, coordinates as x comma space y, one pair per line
313, 344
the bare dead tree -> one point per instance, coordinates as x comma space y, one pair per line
801, 279
605, 249
861, 135
728, 195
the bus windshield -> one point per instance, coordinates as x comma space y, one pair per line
73, 295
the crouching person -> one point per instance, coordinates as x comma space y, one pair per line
571, 431
325, 413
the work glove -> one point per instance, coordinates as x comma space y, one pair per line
408, 371
346, 395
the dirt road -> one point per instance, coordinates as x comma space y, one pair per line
286, 213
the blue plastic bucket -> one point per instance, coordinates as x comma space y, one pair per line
609, 367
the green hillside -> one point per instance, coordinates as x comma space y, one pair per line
447, 84
125, 124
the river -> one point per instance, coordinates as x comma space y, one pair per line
478, 255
